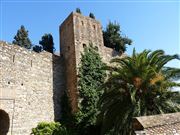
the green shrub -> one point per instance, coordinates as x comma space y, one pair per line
63, 131
91, 76
50, 128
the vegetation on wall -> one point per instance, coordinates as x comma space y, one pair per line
91, 15
50, 128
22, 39
139, 85
78, 10
113, 38
91, 77
37, 48
47, 43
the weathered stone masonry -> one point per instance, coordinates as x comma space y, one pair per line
77, 32
30, 87
31, 84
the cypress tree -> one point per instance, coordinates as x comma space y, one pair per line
91, 15
91, 77
47, 43
78, 10
114, 39
37, 48
21, 38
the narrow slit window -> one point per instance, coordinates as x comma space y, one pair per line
94, 27
13, 58
82, 23
31, 63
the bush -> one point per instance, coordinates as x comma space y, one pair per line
50, 128
78, 10
91, 15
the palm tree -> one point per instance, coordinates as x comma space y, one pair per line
138, 85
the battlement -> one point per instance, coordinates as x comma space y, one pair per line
78, 31
80, 16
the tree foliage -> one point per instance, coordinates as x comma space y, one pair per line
47, 43
114, 39
37, 48
78, 10
139, 85
91, 15
91, 76
22, 39
50, 128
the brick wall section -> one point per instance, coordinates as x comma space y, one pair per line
26, 78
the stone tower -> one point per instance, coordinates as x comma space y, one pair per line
31, 84
77, 32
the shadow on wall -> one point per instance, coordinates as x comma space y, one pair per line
4, 122
58, 84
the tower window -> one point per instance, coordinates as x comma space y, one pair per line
94, 27
13, 58
31, 63
84, 45
68, 48
82, 23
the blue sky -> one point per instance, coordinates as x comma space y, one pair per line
150, 24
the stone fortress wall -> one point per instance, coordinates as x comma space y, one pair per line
29, 86
31, 83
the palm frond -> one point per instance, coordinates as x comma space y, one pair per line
138, 85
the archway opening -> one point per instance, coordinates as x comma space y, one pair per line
4, 122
